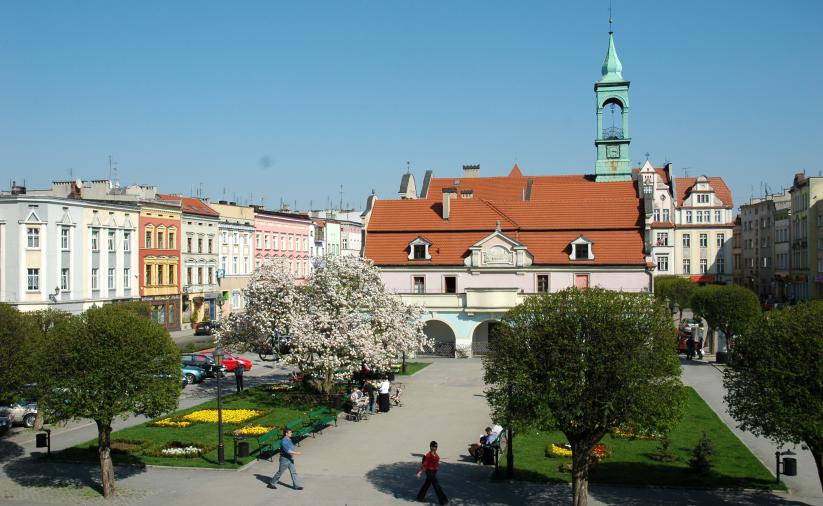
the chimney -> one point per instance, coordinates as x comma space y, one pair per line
471, 171
17, 190
448, 195
224, 202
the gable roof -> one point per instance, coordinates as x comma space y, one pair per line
192, 205
684, 187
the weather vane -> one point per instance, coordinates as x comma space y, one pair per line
611, 20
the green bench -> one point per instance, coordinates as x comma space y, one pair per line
299, 429
322, 418
270, 440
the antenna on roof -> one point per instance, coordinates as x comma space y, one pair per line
611, 20
408, 168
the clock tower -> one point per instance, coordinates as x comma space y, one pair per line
612, 142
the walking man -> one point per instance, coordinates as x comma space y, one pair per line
431, 462
287, 453
238, 376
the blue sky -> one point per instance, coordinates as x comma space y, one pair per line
290, 100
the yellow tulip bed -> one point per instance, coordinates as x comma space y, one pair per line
252, 430
558, 451
168, 422
230, 416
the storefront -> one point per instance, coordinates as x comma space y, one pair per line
165, 310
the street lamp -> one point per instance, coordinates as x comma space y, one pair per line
218, 359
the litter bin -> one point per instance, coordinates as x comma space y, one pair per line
488, 456
790, 466
41, 440
243, 449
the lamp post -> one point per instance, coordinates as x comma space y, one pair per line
218, 358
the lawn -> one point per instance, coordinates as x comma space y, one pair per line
201, 344
413, 367
142, 444
629, 463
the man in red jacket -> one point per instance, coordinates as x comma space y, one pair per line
431, 462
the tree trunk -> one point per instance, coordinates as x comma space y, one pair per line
509, 453
104, 451
38, 420
580, 473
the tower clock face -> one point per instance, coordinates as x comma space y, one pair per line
613, 151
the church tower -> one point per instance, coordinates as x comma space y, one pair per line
612, 143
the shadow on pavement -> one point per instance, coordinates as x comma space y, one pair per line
9, 450
686, 497
40, 472
464, 484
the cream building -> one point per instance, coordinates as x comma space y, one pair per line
236, 253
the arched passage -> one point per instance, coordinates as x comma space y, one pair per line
480, 337
442, 336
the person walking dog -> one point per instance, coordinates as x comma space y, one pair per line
287, 453
238, 376
431, 462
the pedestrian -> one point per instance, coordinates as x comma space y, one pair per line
287, 453
698, 345
383, 397
369, 389
690, 347
431, 462
238, 376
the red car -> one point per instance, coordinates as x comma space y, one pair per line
230, 361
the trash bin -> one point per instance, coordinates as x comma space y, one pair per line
41, 440
790, 466
488, 456
243, 449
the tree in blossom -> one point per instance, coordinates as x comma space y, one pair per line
271, 298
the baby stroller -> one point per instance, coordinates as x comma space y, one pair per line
395, 398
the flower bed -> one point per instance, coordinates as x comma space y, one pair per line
253, 430
186, 451
230, 416
168, 422
559, 450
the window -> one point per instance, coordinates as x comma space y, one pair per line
666, 215
291, 242
111, 241
211, 275
171, 312
662, 238
267, 241
200, 245
704, 266
704, 240
419, 284
95, 279
702, 198
699, 216
235, 299
718, 216
245, 265
211, 245
663, 263
160, 239
419, 251
688, 216
126, 241
172, 274
581, 281
657, 215
581, 251
126, 278
275, 241
687, 241
161, 278
707, 216
148, 275
111, 279
234, 265
542, 283
721, 240
188, 244
171, 245
451, 284
257, 240
188, 276
95, 240
148, 238
33, 238
223, 263
64, 280
687, 266
33, 280
246, 239
200, 277
64, 238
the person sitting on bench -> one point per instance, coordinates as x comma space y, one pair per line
476, 449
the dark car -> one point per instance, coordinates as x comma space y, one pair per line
5, 424
204, 362
206, 328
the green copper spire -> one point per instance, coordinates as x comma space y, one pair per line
612, 68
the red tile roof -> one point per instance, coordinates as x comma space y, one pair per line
192, 205
685, 184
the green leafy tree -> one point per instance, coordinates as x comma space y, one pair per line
586, 362
674, 291
113, 362
37, 354
774, 381
16, 331
729, 308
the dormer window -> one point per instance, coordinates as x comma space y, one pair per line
581, 249
419, 249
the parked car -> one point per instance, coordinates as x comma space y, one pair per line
5, 424
22, 412
230, 361
206, 328
192, 374
689, 324
204, 362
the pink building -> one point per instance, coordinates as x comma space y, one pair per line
282, 235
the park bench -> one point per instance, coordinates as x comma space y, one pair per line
271, 441
299, 430
322, 418
497, 447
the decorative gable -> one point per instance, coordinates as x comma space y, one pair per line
419, 249
66, 219
112, 221
581, 249
498, 250
127, 224
33, 218
95, 220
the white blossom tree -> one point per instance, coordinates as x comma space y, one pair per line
271, 298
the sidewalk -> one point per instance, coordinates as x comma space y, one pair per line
706, 377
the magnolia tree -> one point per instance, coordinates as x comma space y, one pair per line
346, 318
271, 298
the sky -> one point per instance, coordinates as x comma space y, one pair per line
270, 101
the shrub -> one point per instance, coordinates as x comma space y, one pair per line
663, 453
700, 455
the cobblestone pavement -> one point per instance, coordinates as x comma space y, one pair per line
371, 462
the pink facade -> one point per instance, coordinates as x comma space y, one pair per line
285, 236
